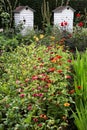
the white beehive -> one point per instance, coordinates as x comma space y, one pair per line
24, 15
64, 14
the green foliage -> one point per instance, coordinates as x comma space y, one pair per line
34, 93
8, 6
5, 19
78, 39
80, 116
80, 65
48, 29
8, 44
27, 39
80, 83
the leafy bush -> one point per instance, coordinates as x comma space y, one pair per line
7, 44
47, 38
78, 39
10, 39
34, 91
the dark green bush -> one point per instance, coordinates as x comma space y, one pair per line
78, 40
8, 44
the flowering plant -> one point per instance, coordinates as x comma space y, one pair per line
34, 87
64, 26
79, 20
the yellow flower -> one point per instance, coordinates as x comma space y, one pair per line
66, 104
41, 36
36, 39
52, 38
62, 47
68, 68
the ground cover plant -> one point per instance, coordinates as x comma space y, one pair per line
35, 91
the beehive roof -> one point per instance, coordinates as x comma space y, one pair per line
61, 8
20, 8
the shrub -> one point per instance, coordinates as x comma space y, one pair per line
78, 39
8, 44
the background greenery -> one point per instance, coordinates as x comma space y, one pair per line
9, 5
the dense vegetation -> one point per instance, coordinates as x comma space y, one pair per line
41, 81
35, 91
43, 77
